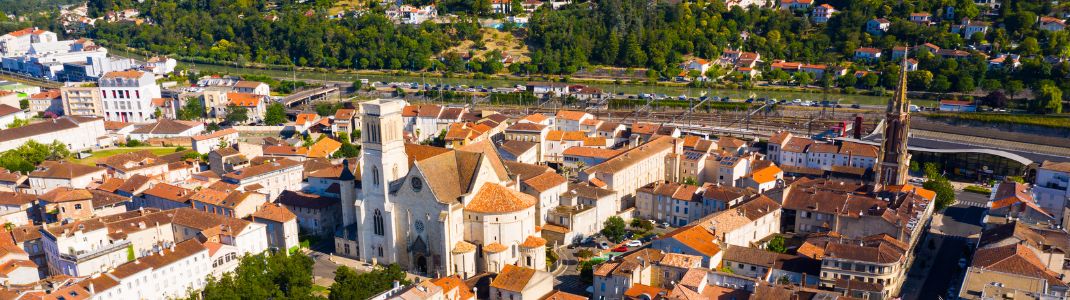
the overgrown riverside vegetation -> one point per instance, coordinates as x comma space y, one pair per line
618, 33
1057, 122
281, 276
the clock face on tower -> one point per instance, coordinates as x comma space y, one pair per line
419, 226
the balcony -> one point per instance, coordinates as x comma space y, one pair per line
81, 256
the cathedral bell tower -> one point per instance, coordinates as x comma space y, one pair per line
894, 159
384, 162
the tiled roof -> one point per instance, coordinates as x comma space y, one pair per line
65, 194
680, 260
526, 127
494, 198
454, 287
159, 260
167, 126
16, 198
324, 148
535, 118
633, 156
248, 84
591, 152
517, 148
243, 99
169, 192
513, 278
545, 181
1014, 259
63, 170
533, 242
344, 114
767, 174
309, 201
131, 74
215, 134
256, 170
494, 247
463, 247
570, 115
695, 237
524, 170
274, 212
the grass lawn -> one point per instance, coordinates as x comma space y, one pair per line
92, 160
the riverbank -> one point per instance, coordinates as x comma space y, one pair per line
611, 87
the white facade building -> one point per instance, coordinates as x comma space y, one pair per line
128, 96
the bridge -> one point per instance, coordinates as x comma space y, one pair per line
309, 96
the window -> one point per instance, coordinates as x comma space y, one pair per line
375, 176
77, 206
378, 225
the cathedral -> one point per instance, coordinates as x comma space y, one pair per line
433, 211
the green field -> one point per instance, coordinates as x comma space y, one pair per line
92, 160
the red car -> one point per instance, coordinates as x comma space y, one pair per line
620, 249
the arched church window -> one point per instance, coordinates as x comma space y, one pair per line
378, 223
375, 176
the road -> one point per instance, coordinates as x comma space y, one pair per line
954, 230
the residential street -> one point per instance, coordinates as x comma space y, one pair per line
935, 272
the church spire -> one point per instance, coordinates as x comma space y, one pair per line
894, 158
900, 103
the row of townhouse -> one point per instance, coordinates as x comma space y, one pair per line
804, 155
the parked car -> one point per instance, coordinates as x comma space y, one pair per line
621, 249
665, 224
603, 246
856, 105
634, 243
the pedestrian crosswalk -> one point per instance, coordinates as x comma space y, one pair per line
972, 203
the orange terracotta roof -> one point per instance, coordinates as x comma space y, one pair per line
767, 174
324, 148
513, 278
274, 212
642, 291
454, 287
535, 118
131, 74
494, 198
302, 119
570, 115
696, 238
494, 247
533, 242
591, 152
243, 99
545, 181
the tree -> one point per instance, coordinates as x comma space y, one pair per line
192, 110
1049, 99
325, 109
777, 245
263, 276
945, 192
26, 157
16, 123
237, 114
357, 84
995, 99
275, 114
613, 229
350, 285
638, 223
157, 114
1013, 87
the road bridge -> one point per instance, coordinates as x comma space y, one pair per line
309, 96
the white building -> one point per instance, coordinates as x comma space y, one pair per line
128, 96
204, 143
18, 42
270, 177
170, 273
434, 211
77, 133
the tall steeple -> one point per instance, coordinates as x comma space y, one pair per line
894, 159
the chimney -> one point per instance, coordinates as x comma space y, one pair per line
92, 289
858, 126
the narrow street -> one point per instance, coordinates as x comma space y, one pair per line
936, 271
